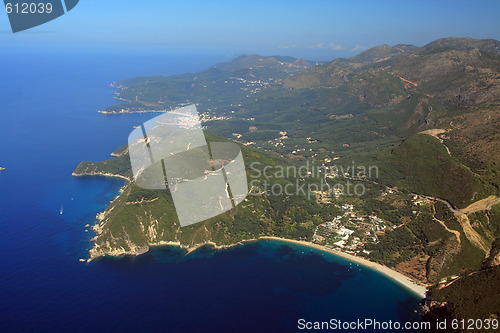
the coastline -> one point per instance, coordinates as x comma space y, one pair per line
396, 276
129, 112
99, 174
403, 280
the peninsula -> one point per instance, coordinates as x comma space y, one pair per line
430, 209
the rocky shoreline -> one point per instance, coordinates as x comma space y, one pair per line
138, 250
415, 286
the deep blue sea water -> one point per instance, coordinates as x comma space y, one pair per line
48, 125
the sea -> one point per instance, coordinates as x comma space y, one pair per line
48, 124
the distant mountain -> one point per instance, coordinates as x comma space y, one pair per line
459, 70
464, 43
338, 71
222, 84
381, 53
280, 65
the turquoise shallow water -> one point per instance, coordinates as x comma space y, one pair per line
49, 124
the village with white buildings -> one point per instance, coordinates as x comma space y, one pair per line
351, 230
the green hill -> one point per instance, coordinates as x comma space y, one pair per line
425, 167
140, 218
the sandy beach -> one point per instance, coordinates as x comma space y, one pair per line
418, 289
403, 280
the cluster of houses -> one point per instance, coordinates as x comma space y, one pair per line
339, 232
252, 86
205, 116
279, 142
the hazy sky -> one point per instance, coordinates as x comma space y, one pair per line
308, 28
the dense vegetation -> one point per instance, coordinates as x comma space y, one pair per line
142, 217
475, 296
426, 167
